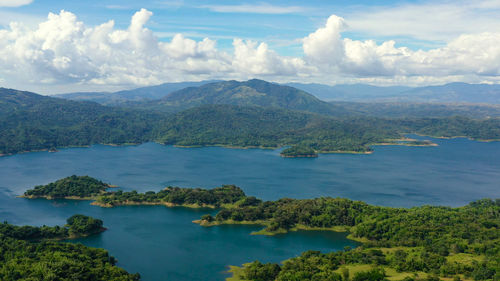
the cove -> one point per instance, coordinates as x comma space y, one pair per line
163, 244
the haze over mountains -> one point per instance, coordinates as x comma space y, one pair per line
448, 93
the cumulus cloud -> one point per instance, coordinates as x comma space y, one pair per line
64, 50
472, 54
65, 54
14, 3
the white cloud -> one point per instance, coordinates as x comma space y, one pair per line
263, 8
471, 54
14, 3
63, 54
62, 50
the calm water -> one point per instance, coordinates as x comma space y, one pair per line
162, 243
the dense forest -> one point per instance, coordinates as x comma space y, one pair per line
441, 241
30, 253
31, 122
216, 197
299, 151
77, 186
77, 226
85, 187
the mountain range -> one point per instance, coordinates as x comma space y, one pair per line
448, 93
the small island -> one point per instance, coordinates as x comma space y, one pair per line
299, 151
77, 226
73, 187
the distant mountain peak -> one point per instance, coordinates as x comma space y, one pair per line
254, 92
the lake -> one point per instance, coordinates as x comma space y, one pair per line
162, 243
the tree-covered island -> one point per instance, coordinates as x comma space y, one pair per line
88, 188
73, 187
35, 253
419, 243
299, 151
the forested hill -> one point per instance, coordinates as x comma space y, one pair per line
250, 93
32, 122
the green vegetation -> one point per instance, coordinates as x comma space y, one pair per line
248, 93
85, 187
299, 151
27, 253
77, 226
174, 196
30, 122
419, 143
434, 240
76, 186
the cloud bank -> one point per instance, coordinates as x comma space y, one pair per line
64, 51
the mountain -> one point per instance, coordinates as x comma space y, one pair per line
448, 93
454, 93
349, 92
249, 93
134, 95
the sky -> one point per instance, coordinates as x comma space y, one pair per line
49, 46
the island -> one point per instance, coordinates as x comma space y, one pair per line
419, 243
299, 151
36, 253
72, 187
88, 188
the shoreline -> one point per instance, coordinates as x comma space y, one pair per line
346, 152
166, 204
300, 156
338, 229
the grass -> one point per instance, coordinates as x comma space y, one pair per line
391, 273
236, 272
465, 258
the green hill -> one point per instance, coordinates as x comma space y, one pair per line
32, 122
250, 93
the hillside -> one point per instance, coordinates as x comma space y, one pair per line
250, 93
32, 122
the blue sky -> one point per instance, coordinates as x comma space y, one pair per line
376, 42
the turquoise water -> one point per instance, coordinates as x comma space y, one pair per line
162, 243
